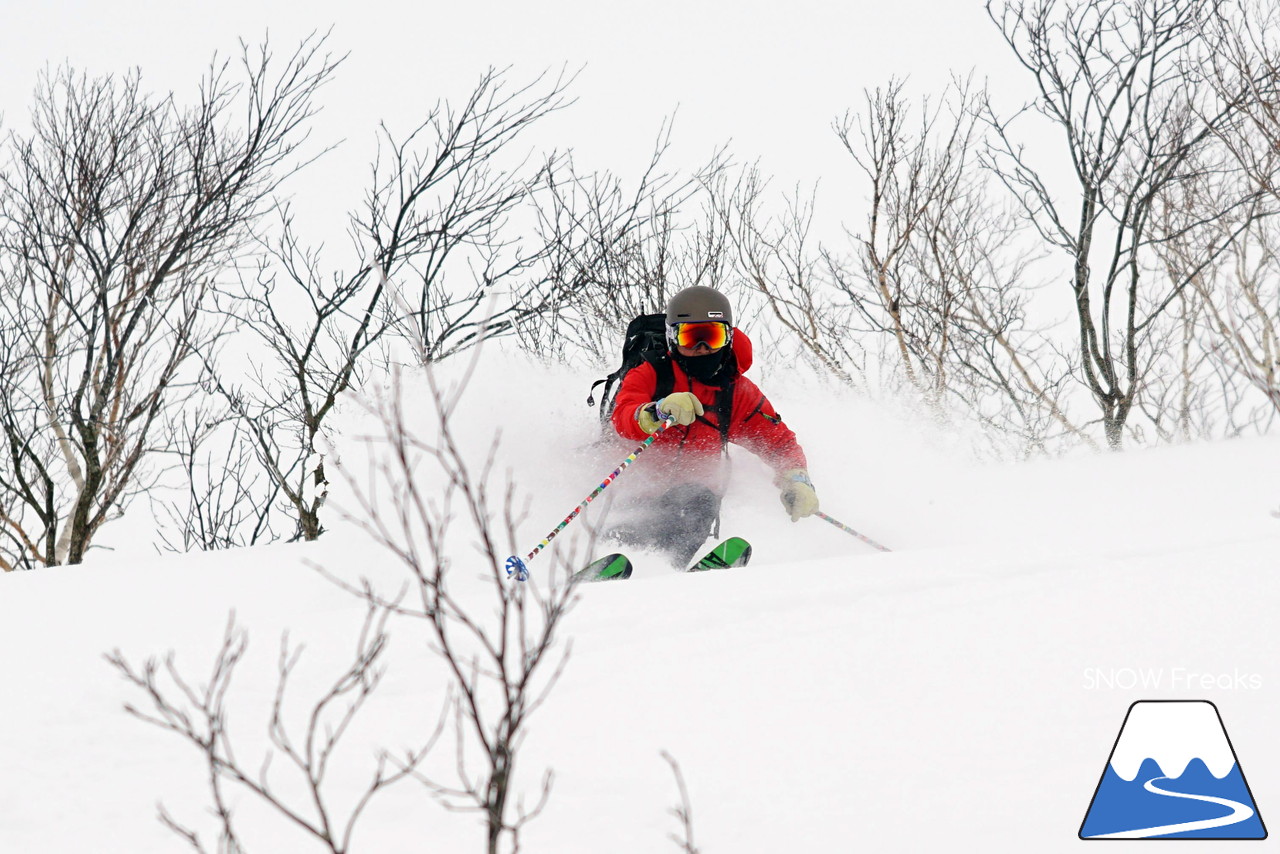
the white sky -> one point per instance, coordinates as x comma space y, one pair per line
767, 76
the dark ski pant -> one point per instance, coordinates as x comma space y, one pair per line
676, 523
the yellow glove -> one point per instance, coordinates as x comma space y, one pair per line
683, 407
798, 495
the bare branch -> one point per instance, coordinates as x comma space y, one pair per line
684, 811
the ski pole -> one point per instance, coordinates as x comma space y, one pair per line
849, 530
519, 568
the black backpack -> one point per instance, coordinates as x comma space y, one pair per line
646, 341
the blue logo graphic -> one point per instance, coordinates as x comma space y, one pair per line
1173, 774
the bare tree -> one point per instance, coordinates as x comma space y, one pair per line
948, 276
226, 497
450, 202
1244, 68
1229, 332
1124, 82
435, 225
915, 182
497, 637
932, 295
1241, 294
117, 213
778, 259
1245, 317
620, 251
198, 714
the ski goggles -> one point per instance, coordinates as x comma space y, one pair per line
690, 335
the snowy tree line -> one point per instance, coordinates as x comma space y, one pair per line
1096, 266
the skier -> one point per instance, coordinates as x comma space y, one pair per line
711, 404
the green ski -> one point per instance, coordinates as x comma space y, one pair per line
734, 551
612, 567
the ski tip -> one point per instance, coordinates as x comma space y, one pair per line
620, 574
733, 552
613, 567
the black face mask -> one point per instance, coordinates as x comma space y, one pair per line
710, 369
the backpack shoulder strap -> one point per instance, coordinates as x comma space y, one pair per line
723, 406
666, 377
724, 410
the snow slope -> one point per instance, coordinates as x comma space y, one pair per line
961, 693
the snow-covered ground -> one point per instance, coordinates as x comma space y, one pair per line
960, 693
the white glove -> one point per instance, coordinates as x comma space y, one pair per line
682, 406
798, 495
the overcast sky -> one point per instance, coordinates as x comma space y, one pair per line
769, 77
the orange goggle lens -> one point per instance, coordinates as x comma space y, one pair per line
714, 335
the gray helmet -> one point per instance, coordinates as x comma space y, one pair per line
699, 304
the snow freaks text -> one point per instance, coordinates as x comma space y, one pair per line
1169, 679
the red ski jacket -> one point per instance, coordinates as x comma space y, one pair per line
695, 451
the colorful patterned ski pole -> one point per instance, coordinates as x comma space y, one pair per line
519, 568
849, 530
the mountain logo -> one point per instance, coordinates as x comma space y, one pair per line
1173, 774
